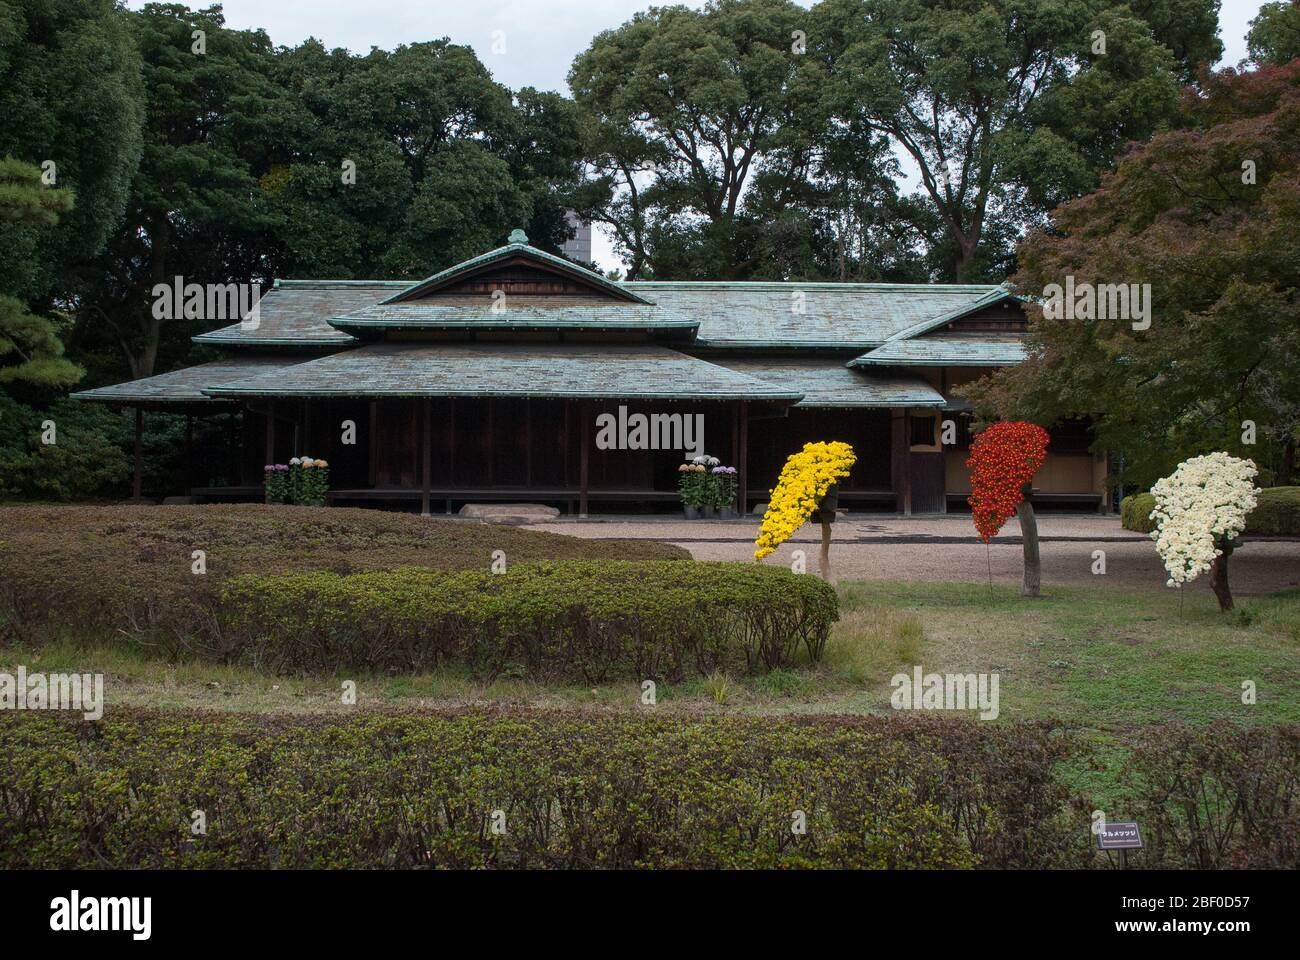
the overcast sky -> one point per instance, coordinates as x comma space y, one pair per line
523, 42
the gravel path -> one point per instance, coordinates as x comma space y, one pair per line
945, 548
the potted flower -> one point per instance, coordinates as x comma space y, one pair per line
692, 487
709, 502
275, 480
314, 482
725, 485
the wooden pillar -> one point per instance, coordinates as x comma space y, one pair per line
584, 466
189, 454
426, 468
906, 463
451, 442
528, 442
270, 431
306, 431
742, 459
137, 474
374, 442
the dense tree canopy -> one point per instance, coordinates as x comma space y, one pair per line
1275, 33
1209, 216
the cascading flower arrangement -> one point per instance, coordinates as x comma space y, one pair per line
1200, 510
804, 480
1003, 461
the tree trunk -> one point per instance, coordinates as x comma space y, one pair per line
825, 563
1029, 536
1219, 577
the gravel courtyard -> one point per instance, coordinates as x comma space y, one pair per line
945, 548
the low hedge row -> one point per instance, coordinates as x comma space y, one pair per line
593, 619
1276, 515
519, 789
126, 570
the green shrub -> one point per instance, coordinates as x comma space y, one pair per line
594, 620
1218, 797
1135, 512
576, 791
1277, 514
125, 573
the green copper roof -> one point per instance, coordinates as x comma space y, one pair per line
516, 312
994, 295
946, 352
297, 313
187, 385
855, 316
827, 383
517, 248
508, 370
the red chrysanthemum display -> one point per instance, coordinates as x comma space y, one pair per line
1003, 460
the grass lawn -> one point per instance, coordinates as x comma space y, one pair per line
1102, 661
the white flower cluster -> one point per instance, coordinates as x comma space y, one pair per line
1201, 504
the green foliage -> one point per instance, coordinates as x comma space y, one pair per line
83, 459
1218, 797
1274, 36
125, 572
70, 93
1277, 514
1135, 512
1206, 215
570, 619
577, 791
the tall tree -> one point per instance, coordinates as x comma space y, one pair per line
1209, 217
1274, 36
71, 103
684, 110
1005, 107
196, 208
31, 351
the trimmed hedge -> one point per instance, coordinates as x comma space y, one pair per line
591, 619
1276, 515
1135, 512
1218, 797
576, 791
127, 571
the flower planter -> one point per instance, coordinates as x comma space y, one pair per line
828, 504
728, 512
692, 512
710, 511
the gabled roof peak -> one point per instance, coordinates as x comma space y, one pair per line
518, 248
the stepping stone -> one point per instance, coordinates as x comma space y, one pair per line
509, 513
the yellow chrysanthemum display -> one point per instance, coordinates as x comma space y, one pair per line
804, 480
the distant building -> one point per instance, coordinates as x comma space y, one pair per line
579, 248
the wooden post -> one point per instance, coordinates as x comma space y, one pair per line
1219, 576
189, 454
583, 463
825, 562
528, 442
137, 475
907, 463
742, 461
270, 431
374, 443
451, 445
426, 468
1033, 580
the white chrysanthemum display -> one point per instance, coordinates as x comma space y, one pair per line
1200, 505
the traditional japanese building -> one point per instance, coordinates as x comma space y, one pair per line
485, 382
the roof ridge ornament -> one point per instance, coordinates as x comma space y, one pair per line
518, 236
